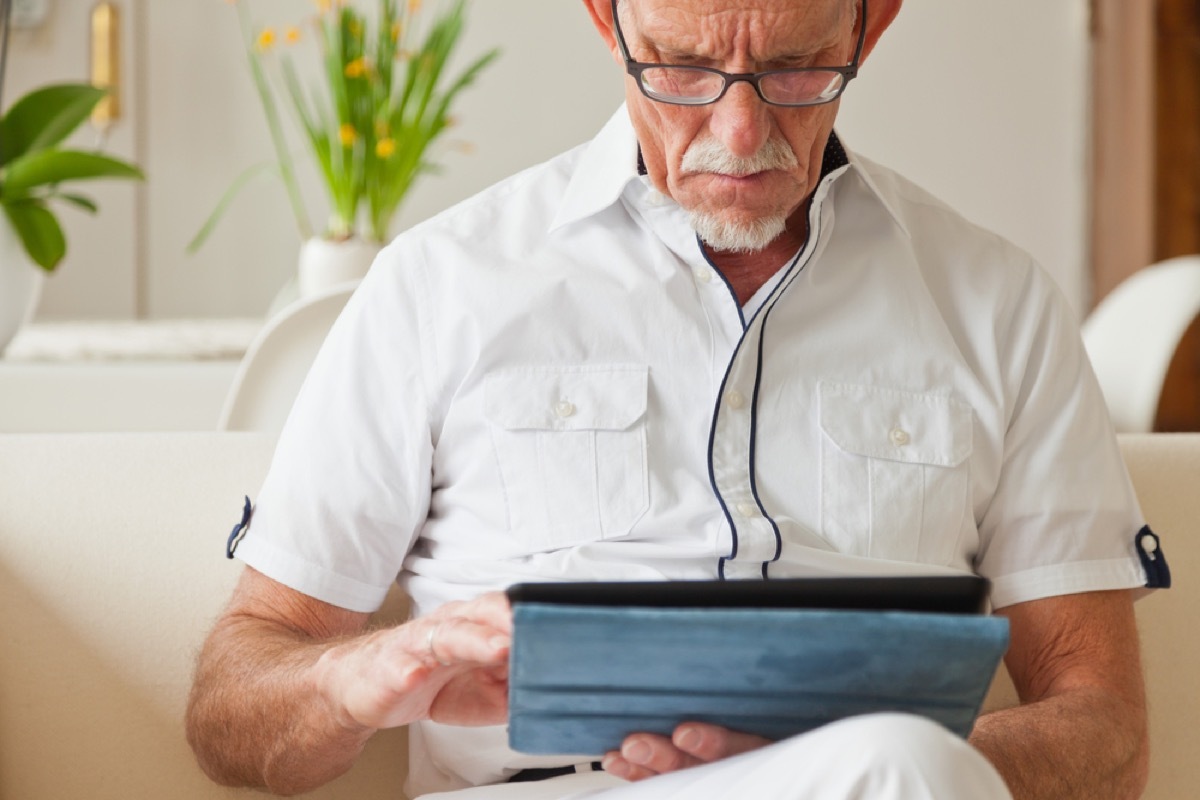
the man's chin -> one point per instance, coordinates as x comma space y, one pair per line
737, 236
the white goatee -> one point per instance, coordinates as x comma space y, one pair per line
708, 155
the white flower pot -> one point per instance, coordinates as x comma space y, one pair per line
20, 284
325, 263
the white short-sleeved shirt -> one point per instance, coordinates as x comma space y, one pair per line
550, 381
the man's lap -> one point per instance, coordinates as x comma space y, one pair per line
876, 756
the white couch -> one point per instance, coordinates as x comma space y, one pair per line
112, 568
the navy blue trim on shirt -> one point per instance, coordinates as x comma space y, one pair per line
833, 158
1154, 561
239, 531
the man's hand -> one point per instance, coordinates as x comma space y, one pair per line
451, 666
288, 689
644, 755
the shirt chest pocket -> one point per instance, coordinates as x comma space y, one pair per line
571, 447
895, 480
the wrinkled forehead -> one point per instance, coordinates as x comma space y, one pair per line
762, 28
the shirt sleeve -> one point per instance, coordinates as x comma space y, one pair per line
349, 485
1064, 516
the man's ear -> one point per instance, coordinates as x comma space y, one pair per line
880, 14
601, 13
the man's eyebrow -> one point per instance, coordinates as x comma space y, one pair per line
675, 54
671, 55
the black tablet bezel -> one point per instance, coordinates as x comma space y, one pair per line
945, 594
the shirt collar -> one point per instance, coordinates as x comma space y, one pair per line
609, 162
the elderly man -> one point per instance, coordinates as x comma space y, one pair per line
709, 343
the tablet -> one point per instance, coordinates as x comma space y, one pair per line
592, 663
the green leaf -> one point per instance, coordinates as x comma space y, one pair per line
48, 167
45, 117
79, 201
39, 232
233, 191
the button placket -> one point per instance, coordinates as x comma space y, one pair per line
755, 536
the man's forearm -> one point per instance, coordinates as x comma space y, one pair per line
288, 688
1085, 743
256, 716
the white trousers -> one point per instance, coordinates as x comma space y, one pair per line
876, 757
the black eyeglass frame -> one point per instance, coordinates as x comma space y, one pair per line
848, 72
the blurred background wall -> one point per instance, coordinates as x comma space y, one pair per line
985, 104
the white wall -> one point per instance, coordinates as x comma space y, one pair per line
986, 105
983, 103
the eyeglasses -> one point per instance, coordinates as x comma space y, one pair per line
699, 86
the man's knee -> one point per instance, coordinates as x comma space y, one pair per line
897, 755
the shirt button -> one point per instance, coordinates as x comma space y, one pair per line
899, 437
747, 510
735, 399
705, 275
564, 408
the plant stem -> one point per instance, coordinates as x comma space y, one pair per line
286, 172
6, 22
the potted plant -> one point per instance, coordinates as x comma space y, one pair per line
385, 97
33, 167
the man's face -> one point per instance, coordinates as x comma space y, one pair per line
740, 166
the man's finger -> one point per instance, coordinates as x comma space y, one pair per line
457, 641
707, 742
655, 753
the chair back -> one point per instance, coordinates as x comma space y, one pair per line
1133, 333
269, 376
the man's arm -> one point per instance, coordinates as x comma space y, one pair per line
1080, 730
288, 689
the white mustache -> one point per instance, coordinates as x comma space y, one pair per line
709, 155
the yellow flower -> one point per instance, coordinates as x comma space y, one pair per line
266, 39
414, 6
324, 6
357, 68
384, 148
395, 32
347, 135
355, 28
291, 35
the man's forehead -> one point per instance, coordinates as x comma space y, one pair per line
817, 10
682, 20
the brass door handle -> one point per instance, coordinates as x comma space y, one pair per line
106, 63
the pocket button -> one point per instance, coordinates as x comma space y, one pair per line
899, 437
564, 408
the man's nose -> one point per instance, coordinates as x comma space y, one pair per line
741, 120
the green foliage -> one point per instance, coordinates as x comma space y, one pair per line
32, 165
384, 98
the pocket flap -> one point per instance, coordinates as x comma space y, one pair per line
594, 397
899, 426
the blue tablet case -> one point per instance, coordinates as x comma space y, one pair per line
582, 678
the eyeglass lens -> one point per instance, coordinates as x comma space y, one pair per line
694, 86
